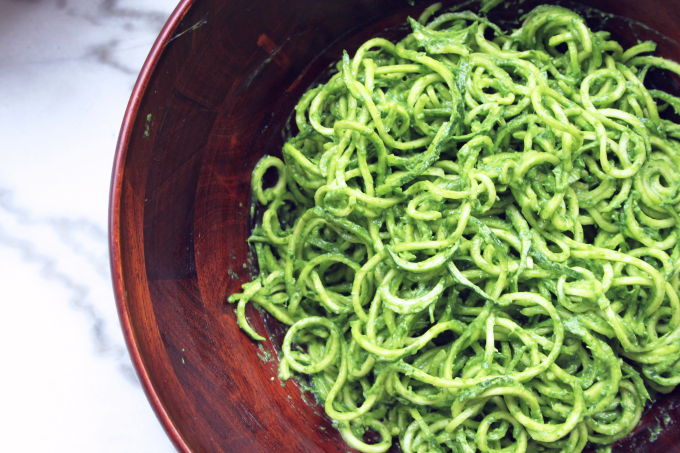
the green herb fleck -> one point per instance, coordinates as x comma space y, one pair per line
655, 431
263, 354
147, 126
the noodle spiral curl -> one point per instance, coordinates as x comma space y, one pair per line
474, 241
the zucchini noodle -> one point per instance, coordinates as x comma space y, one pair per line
473, 238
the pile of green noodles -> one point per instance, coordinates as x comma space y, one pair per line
474, 238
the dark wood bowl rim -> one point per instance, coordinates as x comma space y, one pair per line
114, 222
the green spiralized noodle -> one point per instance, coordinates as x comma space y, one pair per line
474, 240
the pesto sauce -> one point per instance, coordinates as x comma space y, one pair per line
469, 234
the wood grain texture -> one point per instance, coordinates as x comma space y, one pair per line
219, 96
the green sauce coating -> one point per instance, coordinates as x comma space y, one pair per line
474, 240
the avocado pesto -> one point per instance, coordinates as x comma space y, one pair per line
473, 238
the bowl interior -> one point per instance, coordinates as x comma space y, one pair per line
214, 96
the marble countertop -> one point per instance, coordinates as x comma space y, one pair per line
67, 68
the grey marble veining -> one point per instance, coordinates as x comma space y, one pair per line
67, 68
84, 241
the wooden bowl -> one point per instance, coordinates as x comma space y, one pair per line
212, 98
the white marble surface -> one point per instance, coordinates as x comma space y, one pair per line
67, 68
